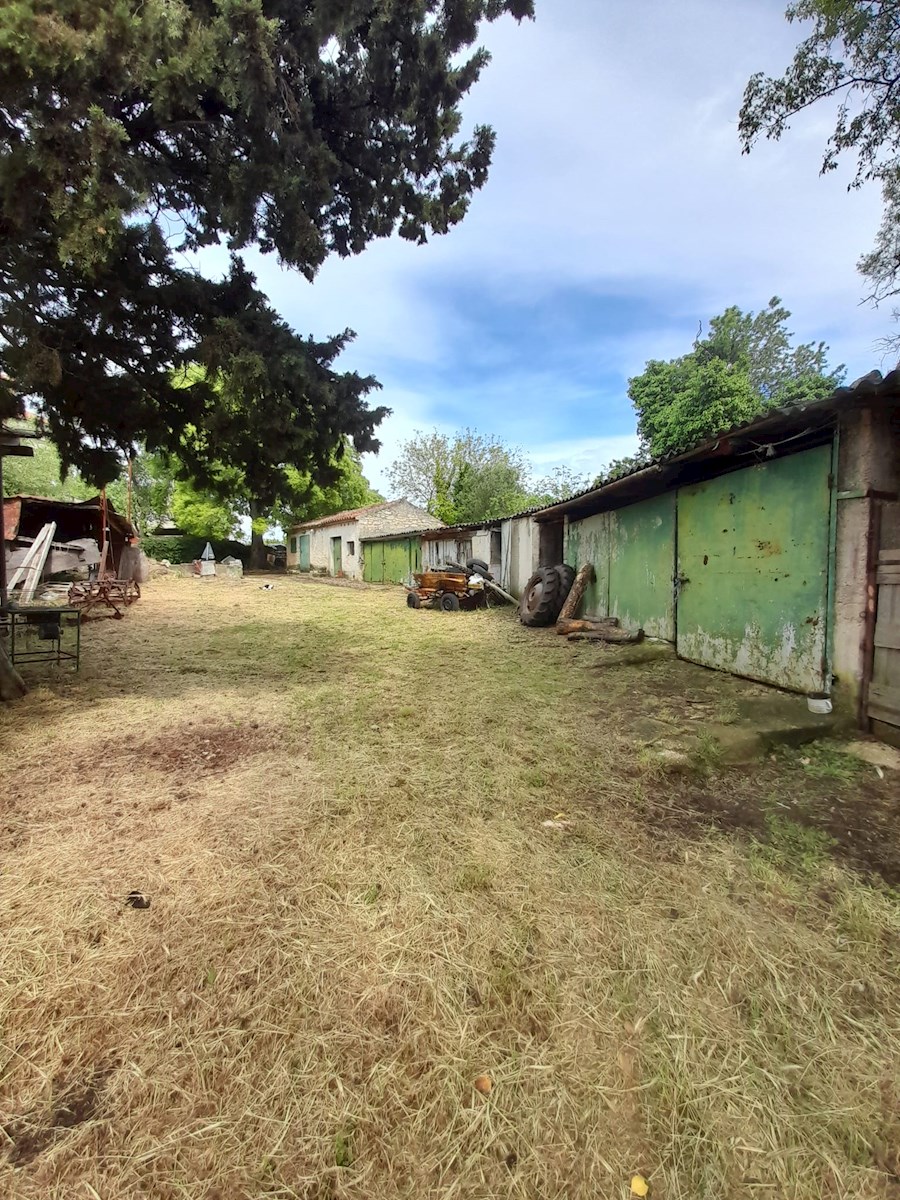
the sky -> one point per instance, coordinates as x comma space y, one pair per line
619, 215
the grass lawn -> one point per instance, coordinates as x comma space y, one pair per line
336, 808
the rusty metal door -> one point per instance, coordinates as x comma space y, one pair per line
752, 577
884, 690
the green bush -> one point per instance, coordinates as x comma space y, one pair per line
184, 549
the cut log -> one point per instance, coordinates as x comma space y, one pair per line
584, 577
583, 625
489, 583
616, 637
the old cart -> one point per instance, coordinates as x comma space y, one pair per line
455, 587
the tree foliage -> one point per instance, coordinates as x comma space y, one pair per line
461, 478
203, 514
745, 364
351, 489
132, 130
850, 56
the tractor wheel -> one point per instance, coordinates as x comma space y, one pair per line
450, 602
541, 600
413, 600
566, 579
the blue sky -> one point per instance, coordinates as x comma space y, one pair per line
619, 214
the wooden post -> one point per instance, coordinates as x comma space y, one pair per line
576, 595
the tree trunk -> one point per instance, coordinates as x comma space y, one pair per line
576, 594
11, 685
257, 545
581, 625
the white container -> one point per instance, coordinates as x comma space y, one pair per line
819, 704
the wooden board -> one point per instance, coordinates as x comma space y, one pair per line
884, 690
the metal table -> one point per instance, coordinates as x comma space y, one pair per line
16, 621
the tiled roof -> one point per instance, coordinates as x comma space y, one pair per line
342, 518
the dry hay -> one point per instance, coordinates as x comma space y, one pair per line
345, 934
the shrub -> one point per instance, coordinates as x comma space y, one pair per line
182, 549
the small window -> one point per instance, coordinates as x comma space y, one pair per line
293, 545
351, 548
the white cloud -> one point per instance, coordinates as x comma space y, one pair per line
618, 179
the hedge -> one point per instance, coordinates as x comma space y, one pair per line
185, 549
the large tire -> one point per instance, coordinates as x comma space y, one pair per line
450, 602
542, 599
566, 579
479, 565
413, 600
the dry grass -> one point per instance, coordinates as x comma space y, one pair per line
356, 910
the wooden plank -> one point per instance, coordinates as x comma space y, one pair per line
889, 556
887, 637
36, 567
889, 716
26, 562
889, 576
886, 699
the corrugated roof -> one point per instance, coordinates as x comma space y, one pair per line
435, 531
12, 510
773, 422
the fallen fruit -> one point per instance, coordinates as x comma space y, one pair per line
639, 1185
484, 1084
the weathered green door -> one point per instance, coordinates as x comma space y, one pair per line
642, 566
304, 552
753, 554
373, 562
396, 560
336, 556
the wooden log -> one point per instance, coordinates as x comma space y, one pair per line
576, 595
583, 625
616, 637
489, 583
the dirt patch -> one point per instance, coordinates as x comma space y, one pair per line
212, 747
860, 815
74, 1104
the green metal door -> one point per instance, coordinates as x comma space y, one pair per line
588, 542
304, 552
373, 562
753, 562
642, 566
336, 556
396, 560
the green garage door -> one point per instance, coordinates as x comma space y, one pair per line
642, 566
753, 552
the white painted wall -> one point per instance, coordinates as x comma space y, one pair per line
320, 549
518, 553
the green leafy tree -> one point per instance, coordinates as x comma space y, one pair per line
41, 474
131, 130
620, 467
745, 364
560, 484
202, 514
461, 478
851, 58
351, 489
